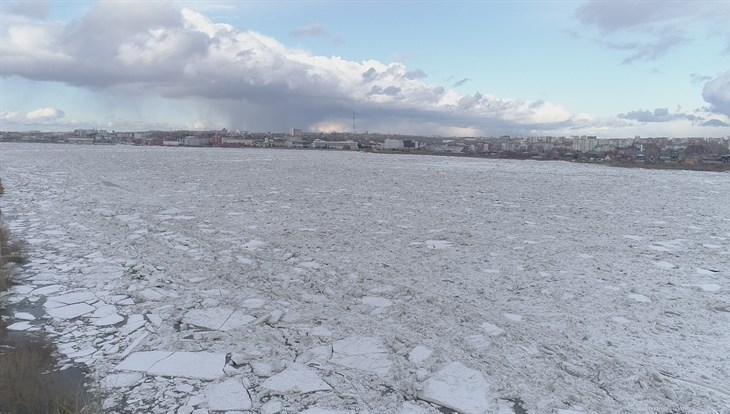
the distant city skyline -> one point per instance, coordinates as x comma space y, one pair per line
610, 69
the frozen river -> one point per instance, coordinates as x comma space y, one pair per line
353, 282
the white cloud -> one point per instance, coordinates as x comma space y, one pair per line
252, 80
45, 114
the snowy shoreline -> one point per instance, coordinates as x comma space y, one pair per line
356, 282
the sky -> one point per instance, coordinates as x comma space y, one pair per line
613, 69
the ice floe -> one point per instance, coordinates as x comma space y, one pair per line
201, 365
70, 311
219, 318
362, 353
458, 387
122, 379
295, 378
228, 395
419, 354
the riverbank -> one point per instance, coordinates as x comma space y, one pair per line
707, 166
30, 381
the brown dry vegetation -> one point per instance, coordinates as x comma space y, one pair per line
28, 384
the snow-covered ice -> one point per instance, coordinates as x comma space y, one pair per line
565, 286
492, 329
227, 396
201, 365
362, 353
19, 326
419, 354
122, 379
295, 378
222, 319
69, 311
458, 387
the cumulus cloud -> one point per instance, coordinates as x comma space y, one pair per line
45, 114
23, 120
10, 116
717, 93
250, 79
415, 74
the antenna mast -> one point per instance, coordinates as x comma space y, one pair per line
353, 122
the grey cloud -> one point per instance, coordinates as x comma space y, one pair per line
658, 115
663, 115
109, 24
460, 82
37, 9
714, 122
391, 91
717, 93
314, 30
697, 79
612, 16
656, 26
370, 74
655, 49
617, 45
470, 101
415, 74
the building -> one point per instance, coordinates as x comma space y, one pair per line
393, 144
193, 141
585, 144
295, 132
341, 145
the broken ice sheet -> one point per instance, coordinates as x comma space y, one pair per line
296, 378
74, 297
123, 379
70, 311
19, 326
200, 365
362, 352
491, 329
419, 354
458, 387
219, 318
228, 395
